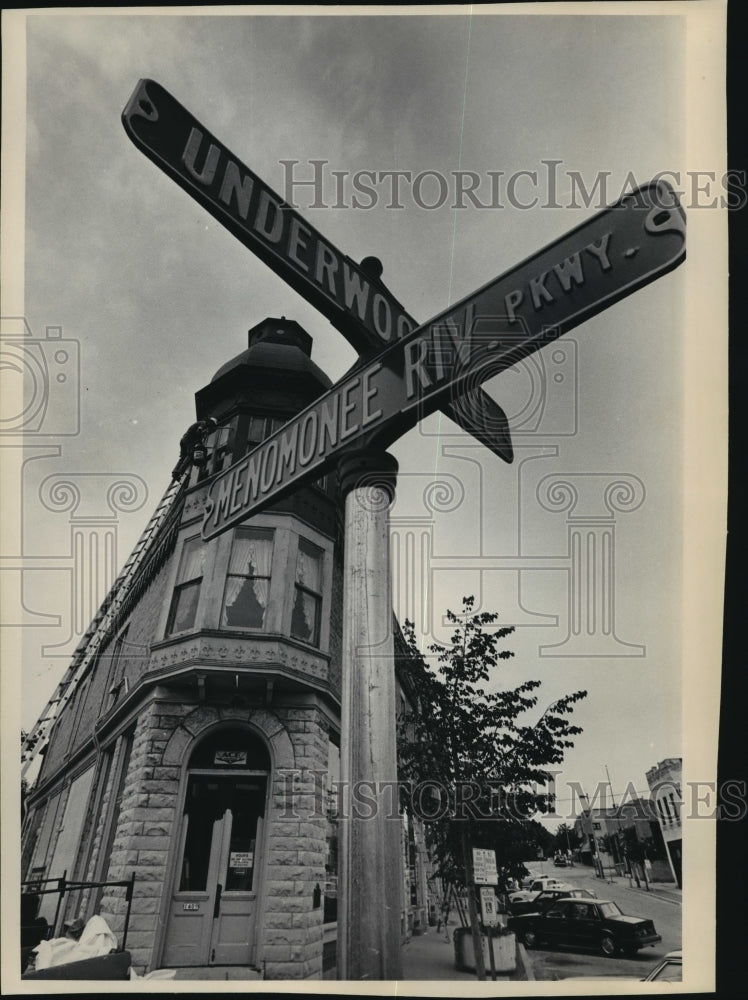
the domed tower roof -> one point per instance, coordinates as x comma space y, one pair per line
274, 374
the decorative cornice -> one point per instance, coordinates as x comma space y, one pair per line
244, 653
194, 503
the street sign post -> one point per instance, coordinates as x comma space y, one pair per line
484, 867
351, 297
613, 254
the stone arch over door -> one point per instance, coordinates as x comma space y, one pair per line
196, 724
214, 909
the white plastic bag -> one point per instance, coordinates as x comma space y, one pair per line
156, 974
96, 939
55, 952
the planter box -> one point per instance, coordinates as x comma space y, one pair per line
504, 951
114, 966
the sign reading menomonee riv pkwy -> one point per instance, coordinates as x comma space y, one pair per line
355, 301
616, 252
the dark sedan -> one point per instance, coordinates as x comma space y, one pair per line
542, 900
597, 924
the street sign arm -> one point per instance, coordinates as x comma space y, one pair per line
613, 254
356, 302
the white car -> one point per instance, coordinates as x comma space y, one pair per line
537, 885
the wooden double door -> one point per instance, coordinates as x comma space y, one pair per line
213, 908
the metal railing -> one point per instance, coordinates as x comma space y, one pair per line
63, 887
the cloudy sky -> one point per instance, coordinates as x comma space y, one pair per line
155, 296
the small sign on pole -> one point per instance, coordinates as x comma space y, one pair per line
488, 912
484, 867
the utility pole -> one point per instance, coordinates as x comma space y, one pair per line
615, 813
590, 832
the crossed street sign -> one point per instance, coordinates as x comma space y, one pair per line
352, 298
613, 254
618, 251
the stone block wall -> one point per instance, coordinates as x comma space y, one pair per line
295, 853
143, 837
289, 923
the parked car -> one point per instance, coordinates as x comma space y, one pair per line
527, 895
526, 880
540, 902
560, 861
534, 885
597, 923
669, 970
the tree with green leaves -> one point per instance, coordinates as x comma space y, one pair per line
474, 765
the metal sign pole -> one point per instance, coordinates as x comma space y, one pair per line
489, 920
491, 957
470, 884
369, 833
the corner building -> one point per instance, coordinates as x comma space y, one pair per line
198, 723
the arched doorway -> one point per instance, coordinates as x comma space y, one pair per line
214, 900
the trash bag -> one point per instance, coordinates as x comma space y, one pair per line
96, 939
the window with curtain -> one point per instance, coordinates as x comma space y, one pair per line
307, 605
248, 581
187, 589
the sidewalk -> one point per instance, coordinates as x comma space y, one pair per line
669, 892
431, 956
218, 972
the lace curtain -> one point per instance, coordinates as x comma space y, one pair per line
309, 570
248, 582
306, 609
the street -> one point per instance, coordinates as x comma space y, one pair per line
568, 962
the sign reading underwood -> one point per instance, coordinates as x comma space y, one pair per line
618, 251
184, 149
351, 297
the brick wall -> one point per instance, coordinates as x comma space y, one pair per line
79, 716
133, 660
